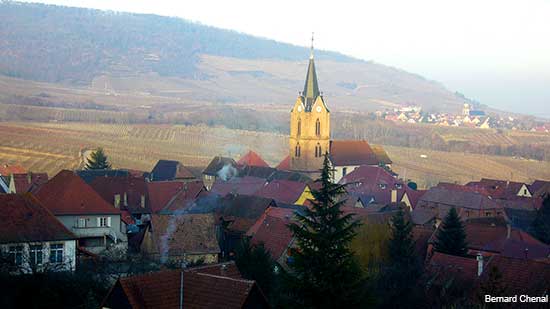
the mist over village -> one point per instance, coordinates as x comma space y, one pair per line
221, 155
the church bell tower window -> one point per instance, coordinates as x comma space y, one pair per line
317, 127
299, 127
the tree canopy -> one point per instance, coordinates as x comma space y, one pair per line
98, 161
323, 271
451, 237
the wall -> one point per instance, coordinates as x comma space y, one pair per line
69, 255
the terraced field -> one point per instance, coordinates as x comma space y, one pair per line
50, 147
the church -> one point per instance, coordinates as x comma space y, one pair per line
310, 136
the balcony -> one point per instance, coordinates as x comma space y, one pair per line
92, 231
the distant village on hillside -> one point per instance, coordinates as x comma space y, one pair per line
470, 118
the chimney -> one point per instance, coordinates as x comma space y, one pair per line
125, 199
223, 270
394, 196
526, 253
181, 290
479, 259
117, 200
508, 230
29, 177
142, 201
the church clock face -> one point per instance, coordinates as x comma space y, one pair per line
318, 109
299, 108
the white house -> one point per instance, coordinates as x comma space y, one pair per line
32, 239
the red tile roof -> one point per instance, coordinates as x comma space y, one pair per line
24, 219
252, 159
520, 276
284, 164
7, 169
68, 194
29, 182
190, 234
272, 230
163, 289
351, 152
133, 187
226, 269
447, 266
163, 192
285, 191
247, 185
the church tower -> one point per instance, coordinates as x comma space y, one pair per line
309, 125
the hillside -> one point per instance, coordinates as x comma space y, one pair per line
160, 58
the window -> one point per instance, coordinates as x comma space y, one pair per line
318, 151
56, 253
15, 255
398, 186
103, 222
317, 127
297, 151
81, 222
487, 214
344, 171
36, 254
382, 186
299, 127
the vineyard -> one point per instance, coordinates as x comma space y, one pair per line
50, 147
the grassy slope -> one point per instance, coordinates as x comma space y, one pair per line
51, 147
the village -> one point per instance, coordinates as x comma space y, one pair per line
182, 236
469, 118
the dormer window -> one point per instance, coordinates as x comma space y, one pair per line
398, 186
382, 186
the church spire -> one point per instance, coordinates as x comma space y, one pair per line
311, 88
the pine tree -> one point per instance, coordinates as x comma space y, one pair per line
397, 282
451, 237
255, 263
541, 225
98, 161
323, 272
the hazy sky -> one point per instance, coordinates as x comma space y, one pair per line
494, 51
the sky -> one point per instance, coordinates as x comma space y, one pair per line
494, 51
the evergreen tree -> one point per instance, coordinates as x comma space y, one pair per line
397, 282
255, 263
451, 237
323, 272
98, 161
541, 225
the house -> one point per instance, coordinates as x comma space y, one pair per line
468, 274
220, 167
170, 170
503, 189
247, 185
495, 236
345, 156
272, 231
185, 238
125, 193
175, 193
286, 191
252, 159
31, 237
89, 175
382, 185
95, 222
188, 288
434, 205
28, 182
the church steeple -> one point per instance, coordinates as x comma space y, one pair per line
311, 87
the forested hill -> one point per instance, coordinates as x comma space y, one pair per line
63, 44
